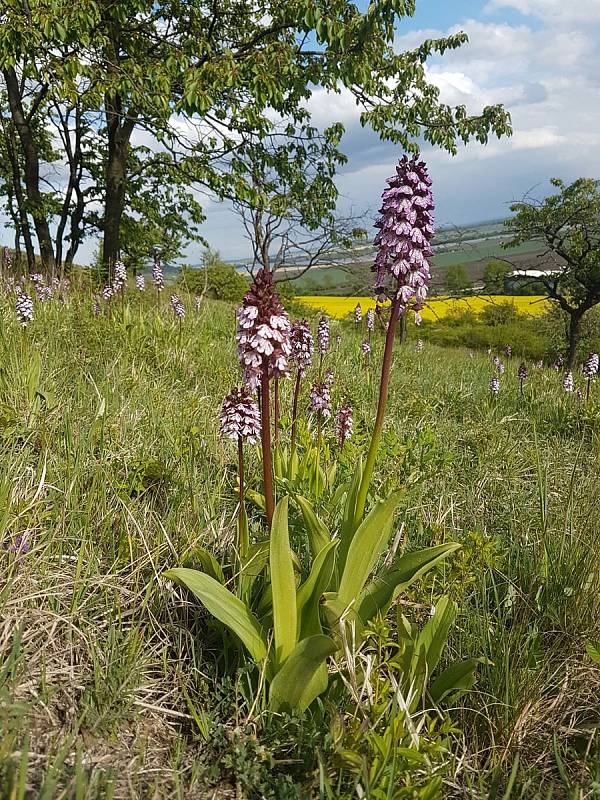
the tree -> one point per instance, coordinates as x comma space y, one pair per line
456, 279
568, 223
205, 79
495, 275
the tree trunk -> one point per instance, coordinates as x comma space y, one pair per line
18, 215
32, 169
574, 335
119, 129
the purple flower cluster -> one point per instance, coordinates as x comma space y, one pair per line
177, 306
263, 332
419, 345
559, 363
240, 417
358, 313
108, 293
508, 350
590, 366
140, 282
343, 424
568, 383
158, 278
495, 387
522, 373
24, 308
320, 398
405, 232
96, 310
302, 345
119, 281
366, 348
370, 320
323, 335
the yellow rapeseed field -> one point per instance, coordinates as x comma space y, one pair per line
340, 307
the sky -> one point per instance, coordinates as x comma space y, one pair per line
540, 58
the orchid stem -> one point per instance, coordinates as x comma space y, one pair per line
384, 384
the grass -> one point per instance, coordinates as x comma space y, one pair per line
341, 307
114, 684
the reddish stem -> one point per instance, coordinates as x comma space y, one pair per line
295, 409
276, 412
265, 440
384, 385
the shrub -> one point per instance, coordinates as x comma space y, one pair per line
219, 281
499, 314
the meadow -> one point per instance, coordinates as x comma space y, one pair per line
115, 682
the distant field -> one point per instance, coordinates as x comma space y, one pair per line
340, 307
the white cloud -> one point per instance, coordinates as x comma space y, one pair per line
552, 11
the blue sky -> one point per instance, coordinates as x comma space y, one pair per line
541, 58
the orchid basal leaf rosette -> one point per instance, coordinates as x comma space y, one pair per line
291, 611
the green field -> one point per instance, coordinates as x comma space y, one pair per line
116, 683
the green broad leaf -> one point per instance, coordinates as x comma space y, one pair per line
316, 530
209, 563
347, 527
337, 614
294, 686
458, 677
379, 593
593, 651
225, 607
252, 566
309, 594
283, 585
365, 548
432, 639
257, 498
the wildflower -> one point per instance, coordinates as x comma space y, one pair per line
366, 348
119, 277
590, 366
329, 376
20, 545
140, 282
540, 364
419, 345
320, 399
302, 345
508, 350
358, 313
7, 258
370, 320
177, 306
499, 365
495, 387
522, 372
579, 394
24, 308
240, 417
96, 310
568, 384
405, 232
263, 332
559, 363
323, 336
158, 277
108, 293
343, 424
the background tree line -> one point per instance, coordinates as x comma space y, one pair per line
119, 116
